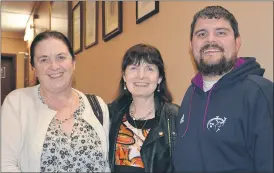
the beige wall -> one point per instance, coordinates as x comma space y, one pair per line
98, 68
40, 24
43, 22
31, 75
59, 16
13, 43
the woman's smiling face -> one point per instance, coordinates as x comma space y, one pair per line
53, 64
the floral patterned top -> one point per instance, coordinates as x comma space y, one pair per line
80, 152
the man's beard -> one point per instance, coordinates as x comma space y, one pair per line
223, 66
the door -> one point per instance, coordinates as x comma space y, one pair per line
8, 75
26, 71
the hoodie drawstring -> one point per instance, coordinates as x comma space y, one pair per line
190, 107
207, 103
189, 111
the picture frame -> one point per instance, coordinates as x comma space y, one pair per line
3, 72
146, 9
112, 14
77, 23
91, 23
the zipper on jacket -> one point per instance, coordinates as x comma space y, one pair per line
169, 138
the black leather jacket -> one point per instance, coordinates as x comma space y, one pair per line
157, 149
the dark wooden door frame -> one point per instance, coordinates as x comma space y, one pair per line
26, 70
14, 62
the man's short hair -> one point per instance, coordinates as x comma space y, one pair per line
215, 12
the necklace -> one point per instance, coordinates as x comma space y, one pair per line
141, 128
72, 100
60, 124
132, 112
70, 112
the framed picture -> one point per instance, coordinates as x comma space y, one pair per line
3, 72
112, 19
146, 9
91, 23
77, 22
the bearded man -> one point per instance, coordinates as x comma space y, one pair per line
225, 122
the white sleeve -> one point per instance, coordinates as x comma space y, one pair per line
11, 135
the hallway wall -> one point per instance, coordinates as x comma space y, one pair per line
98, 68
13, 43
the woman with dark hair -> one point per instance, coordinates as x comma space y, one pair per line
142, 128
51, 127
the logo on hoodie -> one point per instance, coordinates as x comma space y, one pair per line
216, 123
182, 119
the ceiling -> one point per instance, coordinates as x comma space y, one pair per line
15, 14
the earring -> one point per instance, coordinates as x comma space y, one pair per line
158, 88
125, 87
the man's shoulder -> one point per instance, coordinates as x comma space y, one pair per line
189, 91
258, 83
259, 80
264, 88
